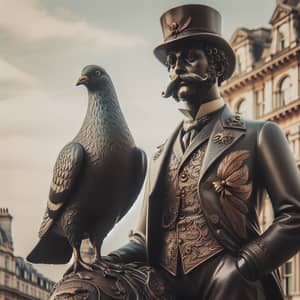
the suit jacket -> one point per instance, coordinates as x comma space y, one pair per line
260, 156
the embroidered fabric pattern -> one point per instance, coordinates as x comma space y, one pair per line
184, 229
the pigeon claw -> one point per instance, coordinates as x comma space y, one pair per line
79, 265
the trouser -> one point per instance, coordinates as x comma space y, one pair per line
216, 279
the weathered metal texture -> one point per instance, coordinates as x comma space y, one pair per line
234, 189
185, 234
133, 281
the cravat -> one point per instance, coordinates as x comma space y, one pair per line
191, 129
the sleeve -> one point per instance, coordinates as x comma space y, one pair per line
282, 181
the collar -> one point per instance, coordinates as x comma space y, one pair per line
205, 109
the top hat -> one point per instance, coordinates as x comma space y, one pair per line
197, 23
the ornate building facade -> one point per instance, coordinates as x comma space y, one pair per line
266, 86
18, 279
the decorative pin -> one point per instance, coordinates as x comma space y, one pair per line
235, 121
235, 189
224, 137
159, 150
176, 28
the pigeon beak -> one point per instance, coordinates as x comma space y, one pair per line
83, 79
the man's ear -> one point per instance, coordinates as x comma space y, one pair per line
220, 70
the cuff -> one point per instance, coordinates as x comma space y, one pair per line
246, 268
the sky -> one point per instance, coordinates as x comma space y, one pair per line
43, 47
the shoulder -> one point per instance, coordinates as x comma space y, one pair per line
159, 150
270, 131
162, 146
263, 130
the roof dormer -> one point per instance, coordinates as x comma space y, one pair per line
242, 46
249, 45
284, 23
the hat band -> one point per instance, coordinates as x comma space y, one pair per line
174, 35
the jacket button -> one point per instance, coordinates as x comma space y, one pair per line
214, 218
183, 177
220, 234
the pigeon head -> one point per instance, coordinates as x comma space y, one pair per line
93, 77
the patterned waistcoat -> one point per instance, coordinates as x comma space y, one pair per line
185, 234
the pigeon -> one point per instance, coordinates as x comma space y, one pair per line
96, 178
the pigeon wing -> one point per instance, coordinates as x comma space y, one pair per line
65, 173
139, 169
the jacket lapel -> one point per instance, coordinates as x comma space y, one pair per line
228, 124
178, 146
158, 161
199, 139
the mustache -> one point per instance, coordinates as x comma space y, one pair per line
188, 77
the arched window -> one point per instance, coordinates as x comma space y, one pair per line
241, 107
284, 94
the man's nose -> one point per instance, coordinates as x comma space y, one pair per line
179, 67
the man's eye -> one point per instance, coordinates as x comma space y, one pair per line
191, 58
171, 60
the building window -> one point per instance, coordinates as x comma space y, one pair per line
282, 41
260, 103
6, 280
283, 37
6, 263
240, 63
241, 107
298, 148
284, 92
287, 278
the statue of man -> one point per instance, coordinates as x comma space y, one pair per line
199, 225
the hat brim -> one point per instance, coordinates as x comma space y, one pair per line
161, 51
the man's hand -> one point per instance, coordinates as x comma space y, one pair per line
234, 269
134, 250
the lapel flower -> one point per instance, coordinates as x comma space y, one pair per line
234, 189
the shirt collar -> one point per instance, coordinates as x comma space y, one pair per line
205, 108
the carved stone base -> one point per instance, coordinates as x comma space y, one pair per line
112, 281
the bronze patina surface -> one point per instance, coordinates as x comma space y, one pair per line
223, 187
198, 236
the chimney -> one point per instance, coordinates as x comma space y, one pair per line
5, 224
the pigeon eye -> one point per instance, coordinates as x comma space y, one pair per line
98, 73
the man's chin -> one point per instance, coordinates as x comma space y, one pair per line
185, 93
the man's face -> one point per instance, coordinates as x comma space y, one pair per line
187, 61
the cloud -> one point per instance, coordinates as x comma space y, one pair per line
13, 81
28, 21
10, 73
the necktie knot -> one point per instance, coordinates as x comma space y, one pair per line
196, 124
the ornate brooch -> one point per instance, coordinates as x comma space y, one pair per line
224, 137
176, 28
234, 189
235, 121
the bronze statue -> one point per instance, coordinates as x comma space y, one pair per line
198, 235
96, 179
207, 181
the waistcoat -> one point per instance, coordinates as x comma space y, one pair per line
185, 234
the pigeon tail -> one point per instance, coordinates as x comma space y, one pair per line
51, 249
